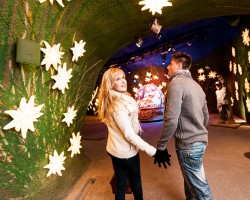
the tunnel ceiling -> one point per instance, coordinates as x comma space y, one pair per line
114, 24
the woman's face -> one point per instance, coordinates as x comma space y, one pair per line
120, 83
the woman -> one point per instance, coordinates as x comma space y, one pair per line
119, 111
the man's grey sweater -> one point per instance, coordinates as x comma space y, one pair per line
186, 114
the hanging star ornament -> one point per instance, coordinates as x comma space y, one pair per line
75, 142
78, 50
55, 164
51, 1
230, 66
212, 74
154, 5
200, 71
69, 116
202, 77
62, 78
247, 85
52, 56
24, 116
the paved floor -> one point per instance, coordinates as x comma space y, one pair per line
226, 166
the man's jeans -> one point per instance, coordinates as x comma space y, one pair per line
130, 167
195, 184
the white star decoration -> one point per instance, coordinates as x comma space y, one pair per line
55, 164
235, 68
75, 142
148, 74
239, 69
135, 90
69, 116
24, 116
212, 74
202, 77
154, 6
78, 50
136, 76
230, 66
51, 1
247, 85
52, 55
62, 78
200, 71
236, 85
233, 52
245, 37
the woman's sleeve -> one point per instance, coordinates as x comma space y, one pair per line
123, 122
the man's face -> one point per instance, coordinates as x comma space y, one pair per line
173, 67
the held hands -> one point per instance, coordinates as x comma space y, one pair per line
162, 157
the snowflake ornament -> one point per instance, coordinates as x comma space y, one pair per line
69, 116
245, 37
202, 77
75, 142
154, 6
78, 50
249, 56
56, 164
24, 116
52, 56
62, 78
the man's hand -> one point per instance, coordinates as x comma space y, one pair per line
162, 157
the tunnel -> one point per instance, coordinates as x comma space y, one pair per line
54, 53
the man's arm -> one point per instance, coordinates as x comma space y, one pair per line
171, 115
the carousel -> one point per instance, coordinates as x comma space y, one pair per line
150, 100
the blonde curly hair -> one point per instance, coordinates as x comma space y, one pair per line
107, 100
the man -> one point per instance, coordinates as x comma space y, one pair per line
185, 118
223, 104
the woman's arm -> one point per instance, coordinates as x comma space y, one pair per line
123, 121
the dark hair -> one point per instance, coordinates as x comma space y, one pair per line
184, 58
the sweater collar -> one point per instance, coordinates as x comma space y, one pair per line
183, 73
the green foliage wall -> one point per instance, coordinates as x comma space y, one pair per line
105, 26
22, 160
241, 60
